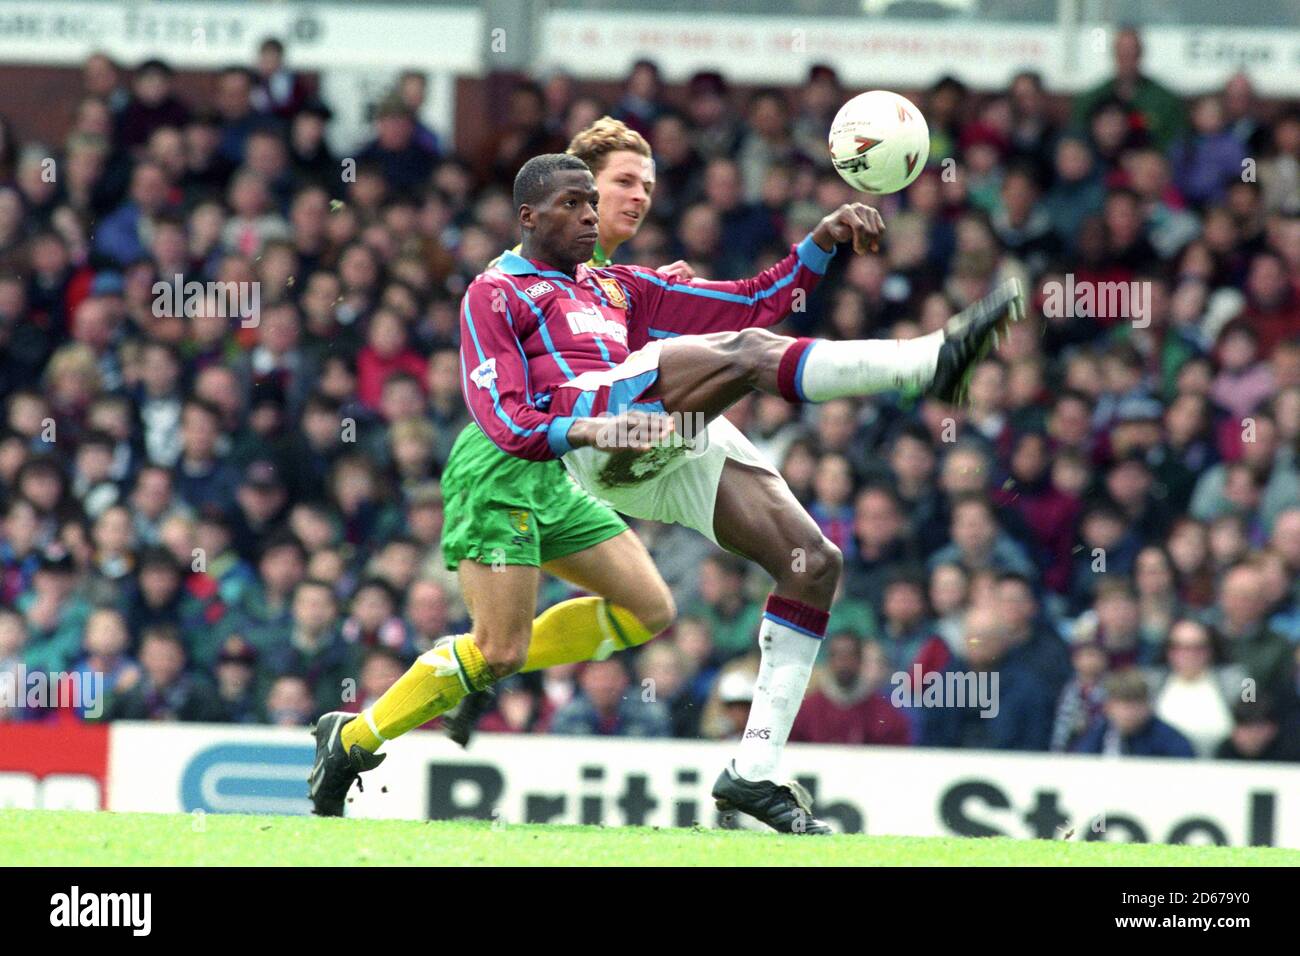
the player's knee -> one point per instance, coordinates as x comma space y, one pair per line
757, 351
504, 650
825, 564
753, 344
659, 612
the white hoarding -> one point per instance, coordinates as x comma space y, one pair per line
898, 54
517, 779
204, 36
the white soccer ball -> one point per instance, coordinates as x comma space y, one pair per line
879, 142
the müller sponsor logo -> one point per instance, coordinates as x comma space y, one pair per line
76, 909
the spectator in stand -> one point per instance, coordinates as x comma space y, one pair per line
1272, 300
770, 142
729, 704
404, 162
831, 506
520, 707
1012, 712
731, 618
1280, 171
278, 91
1031, 640
605, 708
289, 702
161, 689
1260, 733
907, 635
386, 353
844, 708
1049, 512
120, 238
380, 669
1192, 693
1241, 616
525, 134
1109, 547
880, 543
314, 648
662, 671
1211, 156
102, 78
237, 682
1130, 728
427, 614
234, 104
978, 543
372, 620
54, 615
265, 613
153, 105
106, 655
642, 100
1080, 705
413, 90
1151, 106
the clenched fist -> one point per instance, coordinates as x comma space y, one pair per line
856, 221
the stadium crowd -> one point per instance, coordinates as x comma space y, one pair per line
233, 514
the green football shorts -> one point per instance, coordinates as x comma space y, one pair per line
505, 510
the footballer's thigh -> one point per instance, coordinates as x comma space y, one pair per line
502, 600
707, 374
757, 516
621, 571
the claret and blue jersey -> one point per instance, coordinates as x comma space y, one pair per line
527, 329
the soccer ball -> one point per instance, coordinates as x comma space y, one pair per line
879, 142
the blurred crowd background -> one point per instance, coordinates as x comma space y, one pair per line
240, 522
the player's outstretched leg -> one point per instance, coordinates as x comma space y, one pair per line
501, 602
633, 605
707, 374
757, 516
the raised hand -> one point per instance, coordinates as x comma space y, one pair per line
856, 221
630, 431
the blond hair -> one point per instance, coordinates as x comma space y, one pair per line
607, 135
76, 359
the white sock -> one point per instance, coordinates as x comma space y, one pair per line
865, 366
788, 652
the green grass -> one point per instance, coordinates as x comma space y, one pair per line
67, 838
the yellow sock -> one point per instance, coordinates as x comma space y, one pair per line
582, 629
435, 683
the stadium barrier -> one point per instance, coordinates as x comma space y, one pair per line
755, 48
513, 779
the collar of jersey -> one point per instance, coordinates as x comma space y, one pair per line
512, 263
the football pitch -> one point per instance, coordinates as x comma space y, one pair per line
69, 838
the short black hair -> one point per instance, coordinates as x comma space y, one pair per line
154, 66
534, 177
